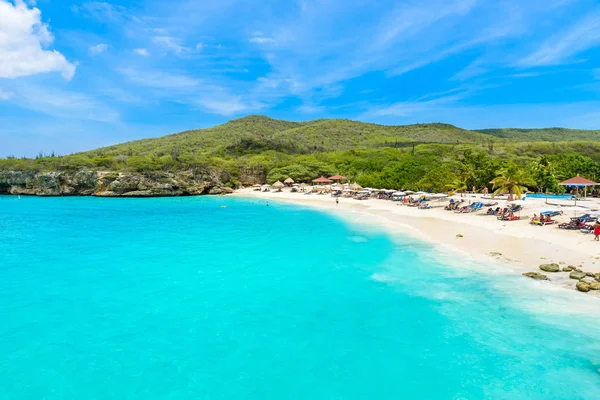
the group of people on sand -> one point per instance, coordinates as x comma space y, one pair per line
541, 219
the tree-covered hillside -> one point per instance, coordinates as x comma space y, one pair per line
256, 149
257, 133
545, 134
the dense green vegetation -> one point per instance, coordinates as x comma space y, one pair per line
546, 134
425, 156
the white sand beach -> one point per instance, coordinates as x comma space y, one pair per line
518, 245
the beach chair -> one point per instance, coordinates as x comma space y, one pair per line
551, 213
476, 207
493, 211
587, 229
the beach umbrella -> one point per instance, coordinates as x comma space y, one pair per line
517, 203
355, 186
578, 182
278, 185
266, 185
288, 181
409, 191
256, 185
439, 196
399, 194
337, 177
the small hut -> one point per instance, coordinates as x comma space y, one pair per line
578, 182
337, 178
322, 179
278, 185
289, 182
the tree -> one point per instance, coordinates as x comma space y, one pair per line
458, 185
438, 179
511, 180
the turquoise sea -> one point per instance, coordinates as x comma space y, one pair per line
179, 298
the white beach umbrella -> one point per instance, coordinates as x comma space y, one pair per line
408, 191
399, 194
438, 196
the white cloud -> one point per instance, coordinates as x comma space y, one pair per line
310, 109
170, 43
61, 103
559, 49
98, 49
225, 105
24, 40
262, 40
5, 95
141, 52
159, 79
101, 11
470, 71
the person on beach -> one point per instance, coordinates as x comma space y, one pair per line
597, 231
337, 201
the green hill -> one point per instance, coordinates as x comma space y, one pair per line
257, 133
543, 135
256, 149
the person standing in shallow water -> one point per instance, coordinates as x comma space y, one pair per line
337, 201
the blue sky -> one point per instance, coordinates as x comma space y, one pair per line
75, 75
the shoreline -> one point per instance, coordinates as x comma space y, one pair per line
516, 246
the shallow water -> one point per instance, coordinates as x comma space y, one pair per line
180, 298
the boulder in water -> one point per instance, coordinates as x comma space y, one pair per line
583, 286
568, 269
550, 267
536, 275
594, 285
577, 275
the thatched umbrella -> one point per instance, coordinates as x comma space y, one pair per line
355, 186
278, 185
288, 181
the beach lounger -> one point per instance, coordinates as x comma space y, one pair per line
584, 218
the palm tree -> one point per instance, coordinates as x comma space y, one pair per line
511, 180
458, 184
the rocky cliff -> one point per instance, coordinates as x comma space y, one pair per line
110, 184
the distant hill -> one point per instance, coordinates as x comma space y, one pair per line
258, 149
544, 134
260, 133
